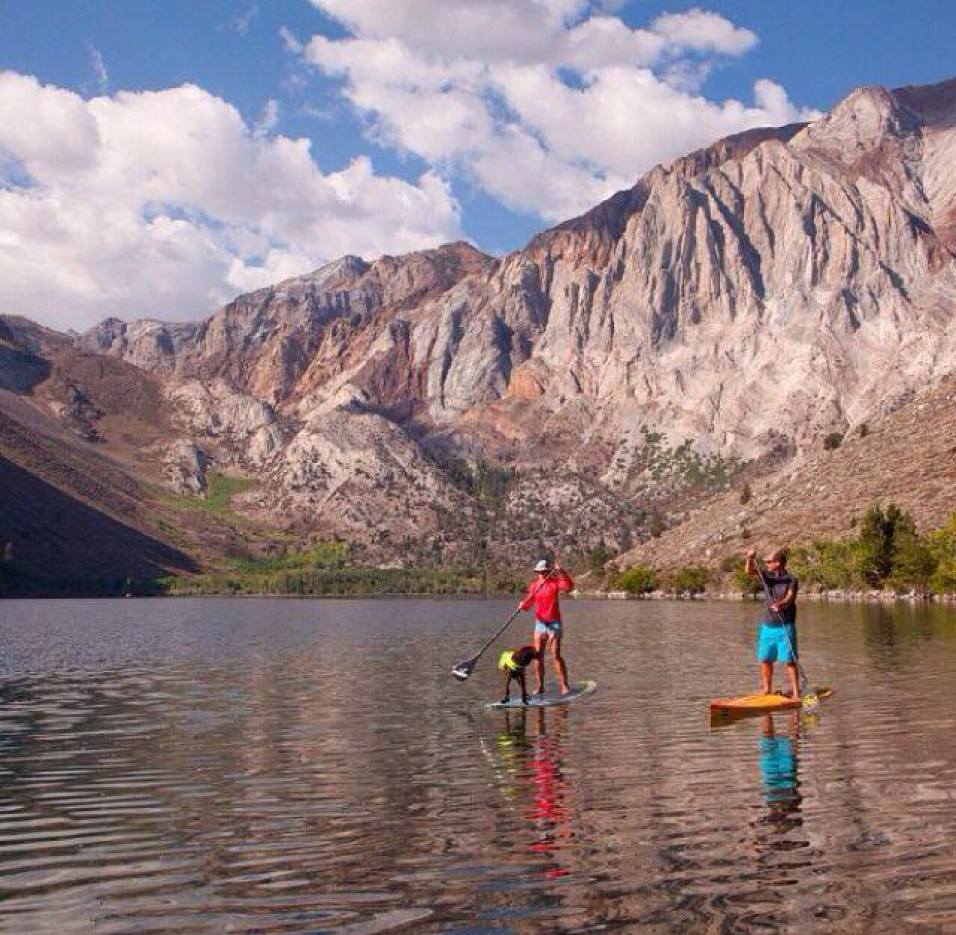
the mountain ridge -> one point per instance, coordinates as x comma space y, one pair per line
732, 308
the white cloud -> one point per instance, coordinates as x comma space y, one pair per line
267, 119
166, 203
241, 22
99, 69
549, 105
703, 31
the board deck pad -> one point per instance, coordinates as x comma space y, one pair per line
759, 704
549, 699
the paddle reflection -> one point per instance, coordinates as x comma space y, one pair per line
531, 754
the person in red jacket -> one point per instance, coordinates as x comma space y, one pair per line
543, 594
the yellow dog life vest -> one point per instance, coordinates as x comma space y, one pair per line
507, 661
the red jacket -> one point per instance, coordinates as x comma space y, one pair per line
544, 596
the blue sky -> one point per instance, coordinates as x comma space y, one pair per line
483, 150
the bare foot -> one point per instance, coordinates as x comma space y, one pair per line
565, 689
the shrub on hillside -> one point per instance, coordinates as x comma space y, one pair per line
832, 441
638, 579
691, 579
828, 565
742, 582
599, 556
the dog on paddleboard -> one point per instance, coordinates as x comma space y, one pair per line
513, 662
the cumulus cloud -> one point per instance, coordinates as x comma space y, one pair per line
548, 105
165, 203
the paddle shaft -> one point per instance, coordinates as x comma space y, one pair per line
781, 622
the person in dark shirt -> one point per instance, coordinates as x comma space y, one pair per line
777, 638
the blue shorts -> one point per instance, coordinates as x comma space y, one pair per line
547, 629
773, 645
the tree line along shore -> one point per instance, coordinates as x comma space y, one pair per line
887, 558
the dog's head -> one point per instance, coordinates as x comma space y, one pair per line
525, 656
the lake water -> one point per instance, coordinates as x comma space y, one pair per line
310, 766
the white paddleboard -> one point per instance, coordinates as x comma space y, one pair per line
549, 699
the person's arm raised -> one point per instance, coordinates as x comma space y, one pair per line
750, 565
563, 579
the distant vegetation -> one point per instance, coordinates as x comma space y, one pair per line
325, 569
681, 466
888, 552
638, 579
220, 489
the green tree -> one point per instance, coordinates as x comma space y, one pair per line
828, 564
638, 579
599, 556
942, 544
748, 585
878, 533
690, 579
914, 563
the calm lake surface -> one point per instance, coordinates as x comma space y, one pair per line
310, 766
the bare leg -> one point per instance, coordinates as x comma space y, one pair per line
539, 641
766, 677
794, 681
559, 664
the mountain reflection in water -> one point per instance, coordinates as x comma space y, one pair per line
310, 766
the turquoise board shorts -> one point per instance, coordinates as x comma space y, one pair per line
547, 629
772, 643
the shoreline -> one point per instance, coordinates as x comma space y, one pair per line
841, 596
836, 597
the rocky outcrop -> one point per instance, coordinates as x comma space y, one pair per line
247, 425
185, 467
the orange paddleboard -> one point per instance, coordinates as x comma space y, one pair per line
757, 704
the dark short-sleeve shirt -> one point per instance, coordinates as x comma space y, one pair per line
777, 584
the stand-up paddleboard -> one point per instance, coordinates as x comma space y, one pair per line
760, 704
549, 699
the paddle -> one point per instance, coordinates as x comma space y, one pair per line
809, 699
464, 669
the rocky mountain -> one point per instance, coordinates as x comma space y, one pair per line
723, 315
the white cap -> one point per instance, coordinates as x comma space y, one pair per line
542, 565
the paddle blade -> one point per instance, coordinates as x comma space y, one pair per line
463, 669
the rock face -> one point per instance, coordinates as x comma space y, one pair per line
735, 306
185, 466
